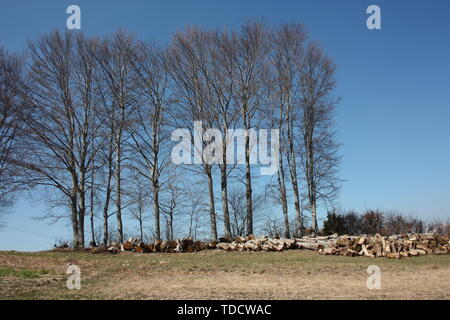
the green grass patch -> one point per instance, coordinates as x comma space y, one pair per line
23, 273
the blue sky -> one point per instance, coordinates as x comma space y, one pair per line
394, 83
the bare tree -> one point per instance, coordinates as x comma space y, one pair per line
319, 152
251, 58
60, 125
238, 212
171, 206
151, 83
11, 102
221, 78
86, 140
192, 203
115, 62
105, 158
188, 58
139, 201
272, 227
288, 55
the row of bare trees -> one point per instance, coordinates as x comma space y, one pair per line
92, 118
11, 100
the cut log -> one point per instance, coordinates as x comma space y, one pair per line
226, 239
101, 249
309, 246
240, 240
222, 245
404, 254
127, 246
362, 240
393, 255
328, 251
113, 250
366, 251
424, 248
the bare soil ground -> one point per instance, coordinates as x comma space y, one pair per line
293, 274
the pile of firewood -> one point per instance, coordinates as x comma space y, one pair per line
251, 243
395, 246
180, 245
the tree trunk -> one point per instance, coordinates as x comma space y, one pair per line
93, 242
105, 211
212, 210
119, 193
293, 173
283, 198
310, 166
171, 226
314, 214
82, 205
248, 183
298, 212
156, 211
81, 216
74, 215
226, 214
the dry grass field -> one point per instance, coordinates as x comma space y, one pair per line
293, 274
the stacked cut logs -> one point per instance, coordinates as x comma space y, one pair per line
180, 245
395, 246
251, 243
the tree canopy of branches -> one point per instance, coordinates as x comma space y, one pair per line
12, 100
92, 118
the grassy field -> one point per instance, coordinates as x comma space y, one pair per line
292, 274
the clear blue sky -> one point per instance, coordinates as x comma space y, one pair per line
394, 83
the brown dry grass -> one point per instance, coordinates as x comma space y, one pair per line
291, 274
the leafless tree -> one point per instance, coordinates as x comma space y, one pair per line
272, 227
115, 61
60, 125
11, 102
151, 82
171, 204
288, 55
139, 201
251, 57
88, 143
221, 78
188, 58
372, 222
319, 150
238, 213
193, 204
105, 158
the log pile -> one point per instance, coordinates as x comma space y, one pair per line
396, 246
180, 245
251, 243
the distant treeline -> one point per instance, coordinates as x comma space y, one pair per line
376, 221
